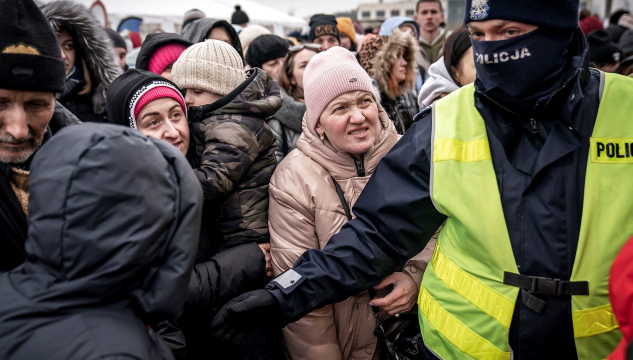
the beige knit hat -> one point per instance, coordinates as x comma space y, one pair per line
212, 66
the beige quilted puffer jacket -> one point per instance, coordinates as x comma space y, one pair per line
305, 211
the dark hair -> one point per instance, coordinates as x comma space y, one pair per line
417, 6
285, 75
584, 13
615, 17
454, 48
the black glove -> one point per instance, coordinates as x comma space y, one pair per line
248, 312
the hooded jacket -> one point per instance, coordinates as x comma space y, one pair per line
402, 107
305, 211
93, 50
437, 86
13, 222
155, 41
199, 30
110, 248
286, 125
216, 277
234, 158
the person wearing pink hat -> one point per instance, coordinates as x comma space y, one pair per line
160, 51
345, 135
151, 104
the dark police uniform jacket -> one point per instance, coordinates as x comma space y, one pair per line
541, 176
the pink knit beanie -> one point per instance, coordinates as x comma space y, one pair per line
328, 75
164, 56
157, 93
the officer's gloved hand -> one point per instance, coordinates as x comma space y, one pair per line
246, 313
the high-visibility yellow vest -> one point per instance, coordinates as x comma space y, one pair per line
465, 308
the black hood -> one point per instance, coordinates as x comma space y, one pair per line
114, 218
199, 30
122, 91
153, 42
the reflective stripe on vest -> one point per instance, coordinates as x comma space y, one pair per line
465, 309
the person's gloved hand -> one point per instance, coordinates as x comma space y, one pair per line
246, 313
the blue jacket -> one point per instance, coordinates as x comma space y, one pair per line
541, 182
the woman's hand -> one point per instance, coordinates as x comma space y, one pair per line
403, 296
269, 260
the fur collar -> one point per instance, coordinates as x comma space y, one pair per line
91, 41
386, 58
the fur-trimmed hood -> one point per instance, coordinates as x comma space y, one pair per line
91, 43
384, 61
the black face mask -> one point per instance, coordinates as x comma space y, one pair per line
526, 67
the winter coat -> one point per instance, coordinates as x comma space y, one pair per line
111, 244
213, 283
305, 211
621, 298
431, 52
154, 42
286, 125
540, 193
13, 222
95, 60
402, 106
234, 157
199, 30
437, 86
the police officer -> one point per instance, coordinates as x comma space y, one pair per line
527, 170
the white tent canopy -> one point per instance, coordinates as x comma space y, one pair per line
169, 13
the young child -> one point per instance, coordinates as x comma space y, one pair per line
233, 151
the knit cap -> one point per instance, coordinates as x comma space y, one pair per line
345, 26
558, 14
160, 91
212, 66
265, 48
164, 56
626, 43
328, 75
321, 25
117, 39
239, 17
602, 50
30, 58
251, 33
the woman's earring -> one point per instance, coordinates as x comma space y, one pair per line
322, 138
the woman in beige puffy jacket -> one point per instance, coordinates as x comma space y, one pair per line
343, 141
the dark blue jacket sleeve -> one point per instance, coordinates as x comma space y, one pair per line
395, 218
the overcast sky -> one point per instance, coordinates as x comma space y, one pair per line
306, 8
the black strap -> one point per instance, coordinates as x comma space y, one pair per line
341, 197
541, 285
284, 141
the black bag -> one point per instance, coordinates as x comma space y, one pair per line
405, 344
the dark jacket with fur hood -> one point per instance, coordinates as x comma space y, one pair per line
94, 51
400, 103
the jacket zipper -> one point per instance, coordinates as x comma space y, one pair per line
360, 164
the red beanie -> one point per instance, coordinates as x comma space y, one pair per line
164, 56
157, 93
